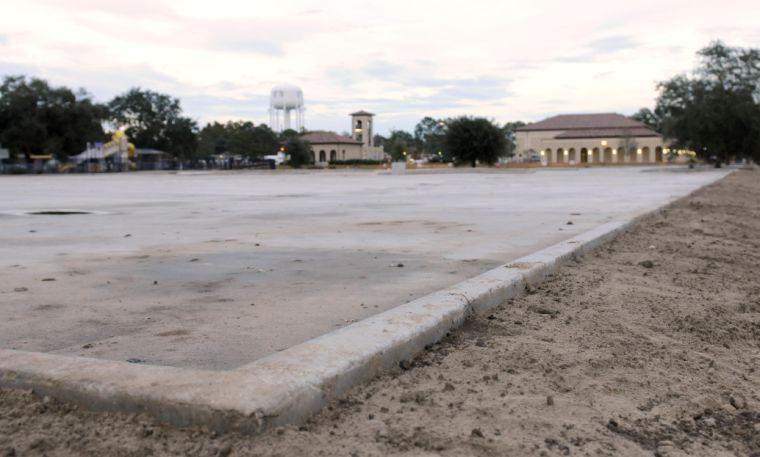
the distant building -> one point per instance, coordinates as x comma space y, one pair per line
329, 147
588, 138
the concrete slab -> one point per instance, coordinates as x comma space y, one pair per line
213, 271
289, 386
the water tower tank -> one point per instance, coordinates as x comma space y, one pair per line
283, 99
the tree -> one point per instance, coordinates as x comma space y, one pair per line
38, 118
716, 111
471, 140
400, 145
649, 118
154, 120
379, 140
212, 140
238, 138
287, 134
264, 141
429, 134
298, 151
508, 130
182, 134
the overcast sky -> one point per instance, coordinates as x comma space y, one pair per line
399, 59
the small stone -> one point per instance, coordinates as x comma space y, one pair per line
135, 360
155, 283
477, 433
20, 289
87, 346
480, 343
127, 235
569, 223
737, 401
48, 279
647, 264
709, 421
400, 265
549, 400
448, 387
543, 310
194, 259
370, 416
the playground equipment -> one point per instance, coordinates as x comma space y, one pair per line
116, 153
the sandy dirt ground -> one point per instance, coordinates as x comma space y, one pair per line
648, 347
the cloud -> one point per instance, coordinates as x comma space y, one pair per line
403, 60
477, 88
11, 68
226, 107
612, 44
415, 86
602, 48
246, 45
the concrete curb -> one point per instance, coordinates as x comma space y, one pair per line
289, 386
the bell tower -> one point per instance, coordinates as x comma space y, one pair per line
362, 128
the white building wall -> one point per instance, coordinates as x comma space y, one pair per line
538, 141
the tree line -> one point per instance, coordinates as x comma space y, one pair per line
37, 118
713, 110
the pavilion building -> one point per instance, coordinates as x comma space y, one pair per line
572, 139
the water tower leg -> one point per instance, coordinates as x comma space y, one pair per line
287, 119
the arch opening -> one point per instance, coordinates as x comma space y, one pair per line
561, 155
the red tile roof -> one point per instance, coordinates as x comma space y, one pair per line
328, 138
583, 121
608, 133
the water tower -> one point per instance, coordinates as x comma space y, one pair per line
282, 100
